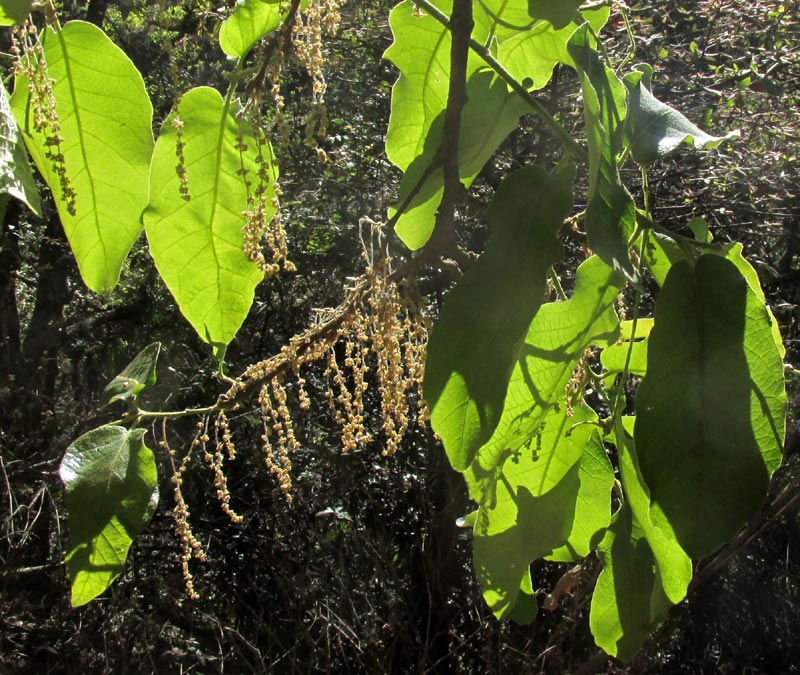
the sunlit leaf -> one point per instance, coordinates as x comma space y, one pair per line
547, 501
251, 20
475, 342
197, 242
489, 115
111, 484
105, 119
555, 342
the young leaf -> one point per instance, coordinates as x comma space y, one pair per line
655, 129
14, 12
111, 483
610, 213
475, 342
251, 20
138, 374
711, 410
197, 242
16, 178
628, 602
105, 119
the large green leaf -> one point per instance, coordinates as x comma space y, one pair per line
476, 340
13, 12
610, 212
111, 483
251, 20
105, 119
711, 410
489, 115
16, 178
628, 602
137, 375
656, 129
421, 51
555, 343
547, 500
531, 55
197, 243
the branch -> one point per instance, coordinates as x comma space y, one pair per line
559, 131
460, 25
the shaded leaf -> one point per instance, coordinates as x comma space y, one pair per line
111, 484
557, 12
197, 243
610, 212
16, 178
711, 410
655, 129
105, 120
138, 374
14, 12
628, 601
475, 342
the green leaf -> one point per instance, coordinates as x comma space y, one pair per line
489, 115
628, 602
111, 484
555, 342
655, 129
138, 374
711, 410
557, 12
105, 119
14, 12
593, 503
610, 213
197, 243
16, 178
673, 566
614, 357
526, 607
476, 340
251, 20
547, 501
421, 52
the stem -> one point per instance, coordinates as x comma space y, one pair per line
174, 414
